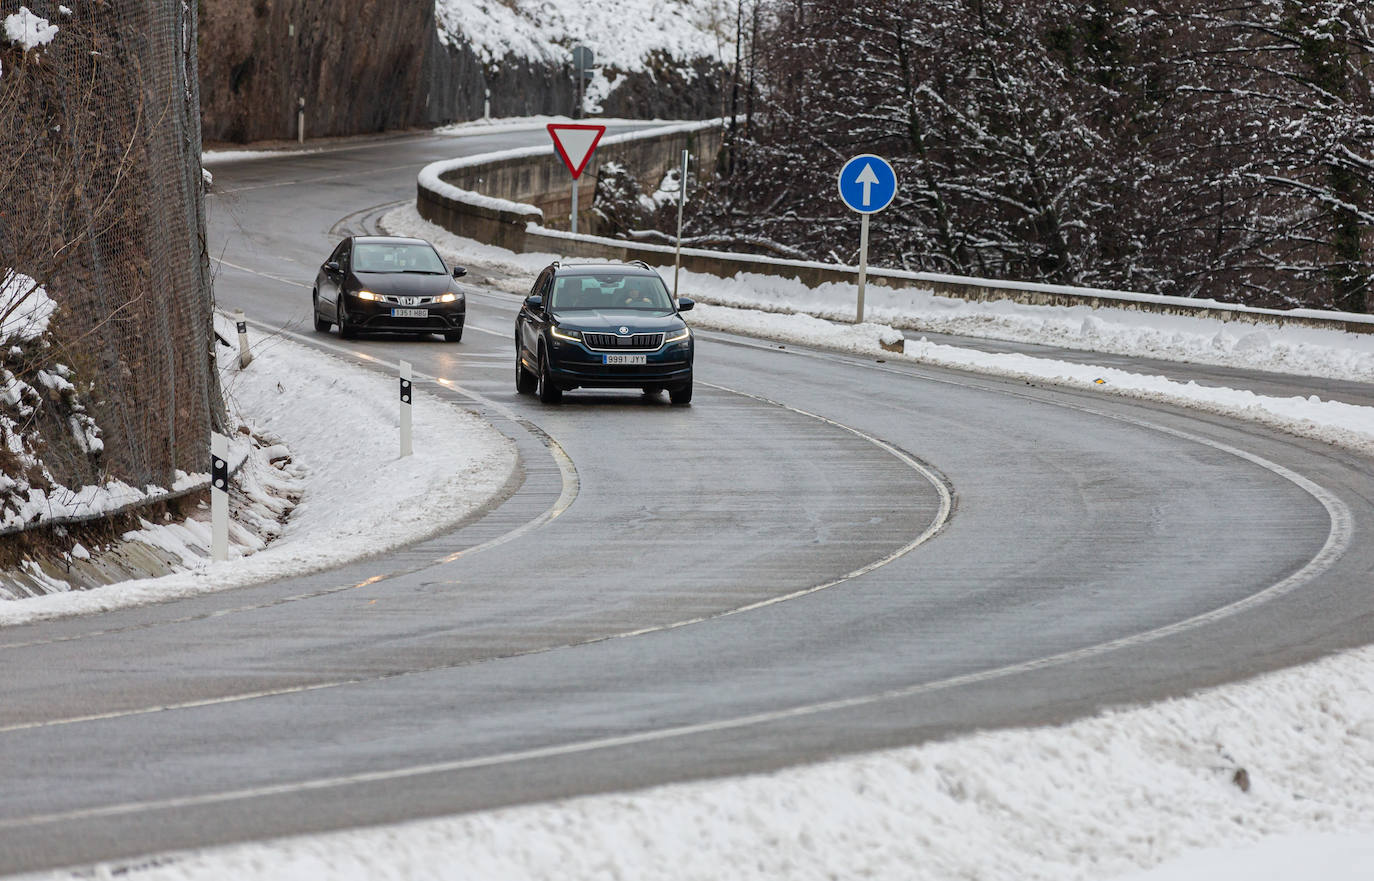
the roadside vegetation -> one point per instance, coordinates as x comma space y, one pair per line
1188, 149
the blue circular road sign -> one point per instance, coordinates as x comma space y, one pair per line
868, 184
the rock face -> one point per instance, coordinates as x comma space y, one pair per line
359, 65
375, 65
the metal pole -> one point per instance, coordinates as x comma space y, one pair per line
681, 201
574, 206
863, 265
219, 497
405, 409
300, 120
245, 356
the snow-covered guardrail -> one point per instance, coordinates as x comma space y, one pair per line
502, 199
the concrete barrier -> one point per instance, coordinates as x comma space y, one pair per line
505, 199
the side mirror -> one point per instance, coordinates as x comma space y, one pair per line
459, 271
685, 304
333, 266
534, 303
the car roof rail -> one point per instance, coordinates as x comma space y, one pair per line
637, 263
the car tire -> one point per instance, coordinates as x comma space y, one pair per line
548, 391
652, 389
681, 394
525, 382
321, 326
454, 336
346, 330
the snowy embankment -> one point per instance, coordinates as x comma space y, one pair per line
34, 384
624, 35
357, 498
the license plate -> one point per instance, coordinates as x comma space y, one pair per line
626, 359
409, 313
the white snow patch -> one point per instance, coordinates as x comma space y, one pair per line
29, 30
25, 308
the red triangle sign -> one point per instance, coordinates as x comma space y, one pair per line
575, 144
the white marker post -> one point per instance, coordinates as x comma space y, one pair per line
245, 356
219, 497
867, 185
681, 201
300, 120
405, 409
575, 145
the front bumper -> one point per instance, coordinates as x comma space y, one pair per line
574, 365
366, 315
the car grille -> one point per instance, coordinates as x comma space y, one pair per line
646, 341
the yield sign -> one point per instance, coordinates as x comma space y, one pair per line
575, 144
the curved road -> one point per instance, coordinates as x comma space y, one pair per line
822, 554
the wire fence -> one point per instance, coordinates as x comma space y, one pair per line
101, 202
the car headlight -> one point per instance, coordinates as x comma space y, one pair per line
366, 295
448, 298
685, 333
574, 335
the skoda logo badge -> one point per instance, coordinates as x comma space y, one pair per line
624, 330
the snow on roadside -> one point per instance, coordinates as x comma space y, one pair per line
360, 499
1096, 799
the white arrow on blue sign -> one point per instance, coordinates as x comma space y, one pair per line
868, 184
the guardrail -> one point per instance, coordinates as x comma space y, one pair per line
502, 199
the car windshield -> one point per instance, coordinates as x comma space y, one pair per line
388, 257
611, 291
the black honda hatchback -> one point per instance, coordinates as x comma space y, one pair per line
388, 283
602, 325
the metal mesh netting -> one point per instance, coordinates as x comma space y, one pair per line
101, 202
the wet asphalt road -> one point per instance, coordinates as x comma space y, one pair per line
823, 554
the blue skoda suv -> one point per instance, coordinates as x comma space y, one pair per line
602, 325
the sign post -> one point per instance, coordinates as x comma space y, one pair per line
575, 145
681, 200
867, 185
583, 59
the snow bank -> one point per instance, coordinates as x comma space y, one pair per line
332, 414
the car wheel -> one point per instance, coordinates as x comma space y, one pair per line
346, 330
525, 382
321, 326
652, 389
454, 336
681, 394
549, 392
